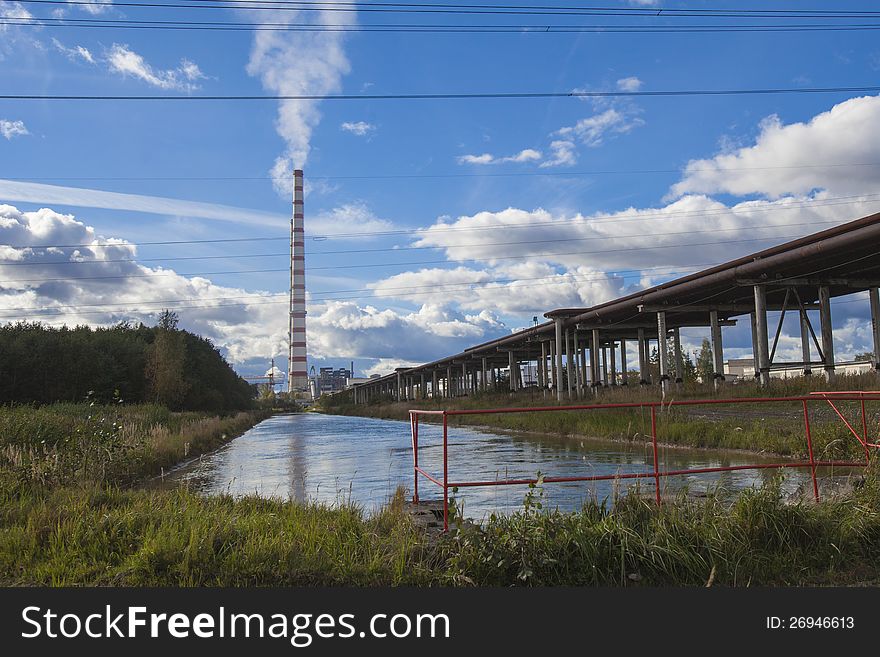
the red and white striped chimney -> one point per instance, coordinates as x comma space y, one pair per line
297, 374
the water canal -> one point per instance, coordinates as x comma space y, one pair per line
332, 459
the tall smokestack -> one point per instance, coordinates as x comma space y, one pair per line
297, 376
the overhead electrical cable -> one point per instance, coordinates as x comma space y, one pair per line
499, 95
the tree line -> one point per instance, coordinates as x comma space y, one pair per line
135, 363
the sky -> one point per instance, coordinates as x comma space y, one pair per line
432, 224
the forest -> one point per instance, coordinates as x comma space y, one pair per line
161, 364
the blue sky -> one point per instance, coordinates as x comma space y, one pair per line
548, 232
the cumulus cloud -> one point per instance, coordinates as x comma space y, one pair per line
797, 158
10, 129
76, 53
525, 155
664, 235
359, 128
346, 330
39, 283
123, 60
297, 63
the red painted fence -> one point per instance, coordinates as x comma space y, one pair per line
656, 473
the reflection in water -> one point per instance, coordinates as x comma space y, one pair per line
334, 459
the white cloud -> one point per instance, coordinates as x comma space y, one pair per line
593, 130
10, 129
693, 230
789, 159
95, 6
562, 153
13, 10
16, 190
359, 128
247, 325
629, 84
74, 54
121, 59
350, 218
525, 155
297, 63
485, 158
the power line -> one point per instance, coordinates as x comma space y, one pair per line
489, 259
472, 9
450, 246
463, 96
322, 296
422, 248
183, 304
619, 218
409, 28
417, 176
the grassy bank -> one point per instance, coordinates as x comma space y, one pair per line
107, 536
61, 444
69, 516
770, 428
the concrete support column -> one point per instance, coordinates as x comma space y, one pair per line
827, 335
399, 392
805, 343
874, 295
569, 373
757, 367
583, 357
623, 368
661, 350
762, 348
450, 386
717, 349
595, 359
677, 355
576, 363
542, 368
552, 382
605, 379
612, 350
485, 375
558, 377
423, 393
434, 384
643, 359
510, 367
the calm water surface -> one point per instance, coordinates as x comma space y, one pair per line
331, 459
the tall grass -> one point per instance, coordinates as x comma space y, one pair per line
760, 539
61, 444
105, 536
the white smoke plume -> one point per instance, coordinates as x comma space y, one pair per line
298, 63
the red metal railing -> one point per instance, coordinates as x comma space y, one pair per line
656, 473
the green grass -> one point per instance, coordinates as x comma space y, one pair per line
60, 444
106, 536
760, 427
68, 517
